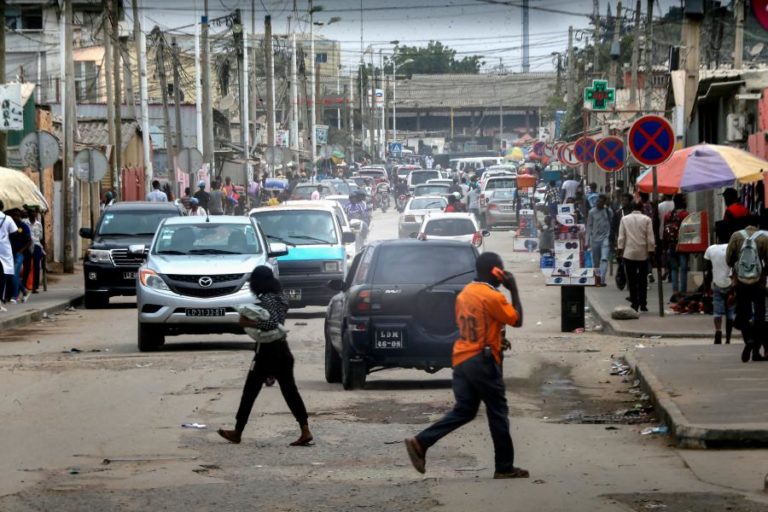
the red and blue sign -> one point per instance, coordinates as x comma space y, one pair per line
538, 148
651, 140
609, 154
584, 150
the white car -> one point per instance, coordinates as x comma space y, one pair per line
462, 227
415, 210
440, 181
491, 185
495, 173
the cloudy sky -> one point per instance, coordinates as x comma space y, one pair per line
469, 26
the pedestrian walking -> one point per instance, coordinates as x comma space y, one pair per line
34, 259
599, 236
569, 188
7, 228
546, 237
481, 313
216, 199
747, 255
201, 195
272, 359
473, 202
157, 195
552, 198
21, 241
195, 210
623, 209
678, 261
229, 196
592, 196
736, 214
109, 200
636, 245
317, 194
718, 280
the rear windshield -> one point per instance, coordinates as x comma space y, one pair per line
501, 183
419, 177
298, 227
449, 227
373, 173
432, 190
427, 203
507, 194
342, 187
133, 223
305, 192
423, 264
207, 238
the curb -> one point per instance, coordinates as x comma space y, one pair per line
687, 435
609, 326
36, 315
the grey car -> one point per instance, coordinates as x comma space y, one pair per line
196, 272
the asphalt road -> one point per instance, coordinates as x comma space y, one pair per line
100, 429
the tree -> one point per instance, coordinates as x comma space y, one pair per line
433, 59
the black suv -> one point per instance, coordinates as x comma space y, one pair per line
396, 309
108, 269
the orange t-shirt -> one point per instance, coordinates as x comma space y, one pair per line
481, 313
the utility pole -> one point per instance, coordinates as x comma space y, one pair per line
313, 106
738, 42
612, 80
270, 64
526, 42
383, 134
238, 33
177, 96
110, 102
649, 57
635, 56
246, 121
338, 95
691, 37
208, 142
169, 149
596, 52
68, 100
351, 111
294, 99
571, 87
141, 41
3, 138
371, 111
198, 89
116, 60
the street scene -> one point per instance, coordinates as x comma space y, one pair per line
332, 256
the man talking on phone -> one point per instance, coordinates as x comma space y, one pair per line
482, 311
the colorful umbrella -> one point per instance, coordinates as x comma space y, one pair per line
17, 190
704, 167
515, 154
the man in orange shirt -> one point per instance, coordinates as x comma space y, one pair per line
482, 311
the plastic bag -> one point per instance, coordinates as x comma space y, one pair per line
621, 276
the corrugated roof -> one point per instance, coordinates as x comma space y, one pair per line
514, 90
95, 132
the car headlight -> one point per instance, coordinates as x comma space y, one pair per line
332, 266
150, 279
99, 256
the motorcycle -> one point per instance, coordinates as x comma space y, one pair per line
382, 197
401, 201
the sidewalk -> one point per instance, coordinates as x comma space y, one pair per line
64, 290
706, 395
673, 325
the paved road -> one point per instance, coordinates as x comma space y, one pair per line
64, 414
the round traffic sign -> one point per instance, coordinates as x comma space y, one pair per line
90, 165
760, 10
568, 153
609, 154
651, 140
585, 150
190, 160
39, 149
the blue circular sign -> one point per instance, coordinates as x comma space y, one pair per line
651, 140
609, 154
585, 150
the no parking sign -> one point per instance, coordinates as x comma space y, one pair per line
651, 140
609, 154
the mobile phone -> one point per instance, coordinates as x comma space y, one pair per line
498, 273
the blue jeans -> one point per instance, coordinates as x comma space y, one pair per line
601, 250
16, 285
678, 268
476, 380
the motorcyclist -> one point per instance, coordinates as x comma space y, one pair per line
401, 188
455, 187
356, 209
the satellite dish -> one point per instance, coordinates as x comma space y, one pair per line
227, 102
756, 50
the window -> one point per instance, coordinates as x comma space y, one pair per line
449, 227
363, 266
207, 238
501, 183
26, 18
132, 223
87, 81
299, 227
321, 58
424, 264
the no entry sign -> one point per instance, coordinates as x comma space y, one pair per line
609, 154
585, 150
651, 140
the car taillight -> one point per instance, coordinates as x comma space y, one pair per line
409, 218
363, 302
493, 206
477, 239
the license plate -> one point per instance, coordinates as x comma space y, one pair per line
389, 338
129, 275
293, 294
205, 311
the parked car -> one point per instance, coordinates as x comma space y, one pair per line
415, 211
429, 189
317, 249
304, 190
108, 268
195, 273
396, 309
462, 227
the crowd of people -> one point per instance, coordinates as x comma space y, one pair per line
22, 252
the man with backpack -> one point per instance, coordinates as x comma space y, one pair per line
678, 261
747, 255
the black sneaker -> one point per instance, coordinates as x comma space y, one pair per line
746, 352
718, 337
644, 309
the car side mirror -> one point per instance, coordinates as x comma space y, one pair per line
348, 237
356, 224
137, 250
486, 232
86, 233
277, 249
336, 285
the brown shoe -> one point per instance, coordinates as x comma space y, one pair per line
233, 436
416, 454
515, 473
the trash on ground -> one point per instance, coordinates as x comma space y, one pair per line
539, 481
660, 429
198, 426
144, 365
597, 328
318, 463
74, 471
639, 345
655, 337
611, 428
301, 323
539, 323
624, 313
71, 351
619, 367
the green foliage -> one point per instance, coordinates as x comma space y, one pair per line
435, 58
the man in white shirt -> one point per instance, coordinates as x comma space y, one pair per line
317, 194
666, 206
7, 227
195, 210
636, 245
157, 195
718, 277
570, 187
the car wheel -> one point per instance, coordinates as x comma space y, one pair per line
95, 300
353, 373
332, 361
150, 337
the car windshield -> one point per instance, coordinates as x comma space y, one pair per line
133, 223
305, 192
342, 187
363, 181
299, 227
431, 190
419, 177
449, 227
427, 203
422, 264
207, 238
501, 183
